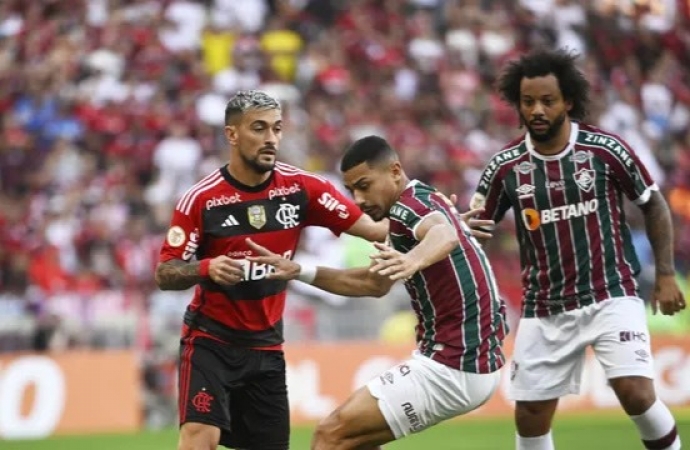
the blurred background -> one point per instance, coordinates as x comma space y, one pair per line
110, 109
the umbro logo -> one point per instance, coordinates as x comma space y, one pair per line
230, 221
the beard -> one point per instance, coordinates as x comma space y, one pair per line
256, 165
550, 132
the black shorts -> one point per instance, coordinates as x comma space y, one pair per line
239, 390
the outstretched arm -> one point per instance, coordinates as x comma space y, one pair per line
359, 282
437, 239
367, 228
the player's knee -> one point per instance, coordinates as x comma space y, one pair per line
636, 394
197, 436
534, 418
331, 430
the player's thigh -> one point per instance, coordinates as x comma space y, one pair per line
622, 344
421, 392
263, 404
548, 357
202, 403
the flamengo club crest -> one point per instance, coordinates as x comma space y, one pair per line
257, 216
584, 179
288, 215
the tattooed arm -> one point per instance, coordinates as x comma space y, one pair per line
659, 226
667, 296
178, 275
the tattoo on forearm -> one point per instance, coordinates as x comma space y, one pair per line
659, 227
177, 275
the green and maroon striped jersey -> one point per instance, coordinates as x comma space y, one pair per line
460, 317
575, 244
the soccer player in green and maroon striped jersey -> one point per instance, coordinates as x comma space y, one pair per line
565, 181
460, 318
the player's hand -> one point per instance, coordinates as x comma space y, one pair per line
393, 264
478, 227
225, 270
284, 269
667, 296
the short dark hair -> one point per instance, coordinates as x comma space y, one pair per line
243, 101
538, 63
372, 150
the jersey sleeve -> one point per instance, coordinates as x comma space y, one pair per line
328, 207
490, 194
183, 238
410, 212
630, 173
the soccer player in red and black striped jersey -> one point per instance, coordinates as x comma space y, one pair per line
232, 368
460, 318
565, 182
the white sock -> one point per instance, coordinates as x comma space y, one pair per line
657, 428
544, 442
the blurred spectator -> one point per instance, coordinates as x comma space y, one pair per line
111, 107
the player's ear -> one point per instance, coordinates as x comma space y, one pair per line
231, 134
568, 105
396, 170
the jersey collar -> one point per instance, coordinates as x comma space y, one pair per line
243, 187
574, 130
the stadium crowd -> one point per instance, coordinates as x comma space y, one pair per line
110, 108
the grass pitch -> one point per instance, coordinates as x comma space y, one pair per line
606, 431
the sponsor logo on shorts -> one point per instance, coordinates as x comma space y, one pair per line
202, 401
387, 378
633, 336
412, 417
642, 355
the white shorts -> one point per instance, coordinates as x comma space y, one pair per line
549, 353
421, 392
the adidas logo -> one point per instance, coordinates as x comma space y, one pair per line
230, 221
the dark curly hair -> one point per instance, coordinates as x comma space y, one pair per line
560, 63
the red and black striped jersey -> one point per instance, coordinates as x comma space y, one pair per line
216, 215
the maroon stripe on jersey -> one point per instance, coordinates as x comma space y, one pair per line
486, 312
482, 289
622, 265
494, 195
185, 373
621, 172
537, 239
469, 251
565, 238
445, 294
596, 251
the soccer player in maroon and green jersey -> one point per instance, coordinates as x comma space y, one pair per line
460, 318
565, 182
